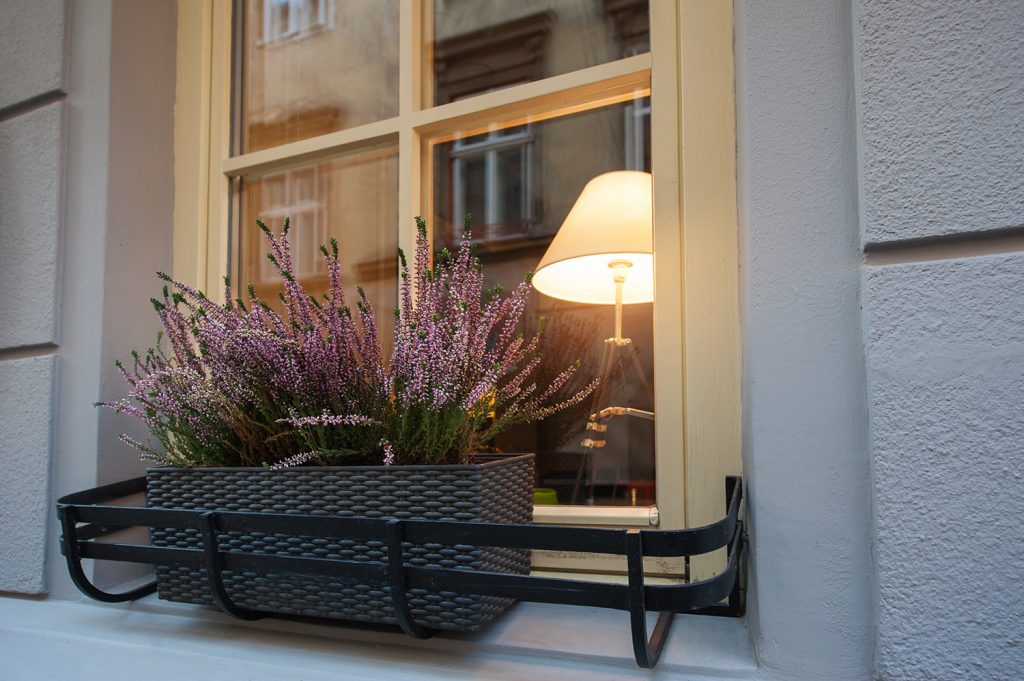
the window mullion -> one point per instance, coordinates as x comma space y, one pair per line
669, 318
409, 184
711, 272
217, 234
410, 54
574, 92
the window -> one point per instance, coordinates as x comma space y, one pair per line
284, 19
491, 178
298, 195
440, 107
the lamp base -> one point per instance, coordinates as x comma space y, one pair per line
618, 353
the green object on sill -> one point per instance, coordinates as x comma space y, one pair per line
544, 496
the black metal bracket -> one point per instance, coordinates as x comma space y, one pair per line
85, 517
214, 573
70, 549
396, 580
645, 651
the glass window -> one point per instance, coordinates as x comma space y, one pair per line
338, 199
482, 45
310, 67
519, 182
440, 147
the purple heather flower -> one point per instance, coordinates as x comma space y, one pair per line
241, 383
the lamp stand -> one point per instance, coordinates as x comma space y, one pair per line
618, 353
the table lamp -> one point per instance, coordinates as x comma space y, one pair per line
603, 255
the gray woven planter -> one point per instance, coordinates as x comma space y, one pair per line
496, 489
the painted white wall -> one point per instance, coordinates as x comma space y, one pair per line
118, 212
805, 410
32, 135
942, 130
26, 389
33, 51
941, 99
946, 344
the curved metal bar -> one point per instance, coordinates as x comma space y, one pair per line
695, 595
69, 543
114, 490
646, 651
657, 543
214, 575
83, 519
698, 540
396, 580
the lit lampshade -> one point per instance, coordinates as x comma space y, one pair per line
609, 230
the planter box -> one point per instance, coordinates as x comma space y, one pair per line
493, 489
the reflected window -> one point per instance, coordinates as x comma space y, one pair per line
482, 45
300, 195
492, 180
311, 67
637, 119
285, 19
351, 198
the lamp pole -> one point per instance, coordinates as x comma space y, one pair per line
619, 270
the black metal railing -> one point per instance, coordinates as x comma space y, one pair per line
84, 519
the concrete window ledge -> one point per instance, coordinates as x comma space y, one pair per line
156, 640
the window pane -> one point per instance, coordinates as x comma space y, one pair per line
519, 183
482, 45
310, 67
353, 199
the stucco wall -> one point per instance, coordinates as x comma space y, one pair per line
25, 402
32, 135
32, 53
941, 106
86, 124
947, 368
805, 411
118, 207
941, 98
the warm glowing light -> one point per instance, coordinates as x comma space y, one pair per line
610, 224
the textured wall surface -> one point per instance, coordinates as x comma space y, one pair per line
32, 139
30, 194
805, 410
946, 385
26, 391
941, 97
32, 49
942, 113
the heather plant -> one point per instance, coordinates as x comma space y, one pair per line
460, 371
242, 384
227, 384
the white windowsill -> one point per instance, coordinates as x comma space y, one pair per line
156, 640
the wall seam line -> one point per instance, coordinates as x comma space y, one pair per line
945, 247
31, 104
27, 351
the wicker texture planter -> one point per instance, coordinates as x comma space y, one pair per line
496, 489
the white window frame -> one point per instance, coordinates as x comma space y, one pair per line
696, 311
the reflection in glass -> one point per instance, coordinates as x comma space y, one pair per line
352, 199
519, 182
310, 67
482, 45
